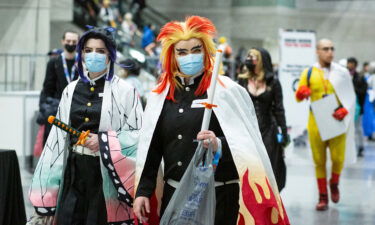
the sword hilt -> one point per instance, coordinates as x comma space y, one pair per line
63, 126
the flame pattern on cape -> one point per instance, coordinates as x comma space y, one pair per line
261, 205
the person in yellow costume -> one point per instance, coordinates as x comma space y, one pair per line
325, 78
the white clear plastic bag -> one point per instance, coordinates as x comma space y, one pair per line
194, 202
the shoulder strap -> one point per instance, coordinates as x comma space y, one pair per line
308, 76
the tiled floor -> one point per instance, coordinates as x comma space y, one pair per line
357, 205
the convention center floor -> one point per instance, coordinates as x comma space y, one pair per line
357, 188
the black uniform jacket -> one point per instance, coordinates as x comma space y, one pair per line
173, 140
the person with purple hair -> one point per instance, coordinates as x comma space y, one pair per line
90, 184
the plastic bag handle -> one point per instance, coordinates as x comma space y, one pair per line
198, 157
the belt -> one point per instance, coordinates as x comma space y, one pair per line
175, 184
81, 150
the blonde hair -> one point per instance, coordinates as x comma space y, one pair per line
259, 67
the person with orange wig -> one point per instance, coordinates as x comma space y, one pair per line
172, 123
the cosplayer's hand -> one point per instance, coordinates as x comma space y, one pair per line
92, 142
303, 92
340, 113
141, 208
208, 137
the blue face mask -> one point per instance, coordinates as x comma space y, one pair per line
95, 62
191, 64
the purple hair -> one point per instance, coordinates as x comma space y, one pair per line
105, 34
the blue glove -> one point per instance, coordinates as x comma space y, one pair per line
218, 154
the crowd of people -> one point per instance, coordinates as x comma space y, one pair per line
125, 17
115, 177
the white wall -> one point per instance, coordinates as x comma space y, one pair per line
25, 27
61, 10
364, 6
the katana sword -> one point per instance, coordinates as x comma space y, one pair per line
63, 126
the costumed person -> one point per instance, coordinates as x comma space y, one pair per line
266, 93
360, 88
90, 182
323, 79
368, 122
246, 190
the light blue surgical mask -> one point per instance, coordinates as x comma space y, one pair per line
95, 62
191, 64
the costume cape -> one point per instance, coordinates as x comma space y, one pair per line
260, 201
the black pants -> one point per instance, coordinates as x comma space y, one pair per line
227, 197
82, 201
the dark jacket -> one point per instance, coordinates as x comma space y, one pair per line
173, 141
270, 113
271, 105
55, 80
53, 86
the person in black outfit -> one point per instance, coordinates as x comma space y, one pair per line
59, 73
179, 120
360, 88
265, 90
178, 126
57, 78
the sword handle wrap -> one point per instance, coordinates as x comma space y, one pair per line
63, 126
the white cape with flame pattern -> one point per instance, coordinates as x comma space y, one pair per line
260, 201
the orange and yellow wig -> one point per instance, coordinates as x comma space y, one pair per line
173, 32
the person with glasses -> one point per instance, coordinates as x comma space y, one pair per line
323, 79
92, 182
265, 90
